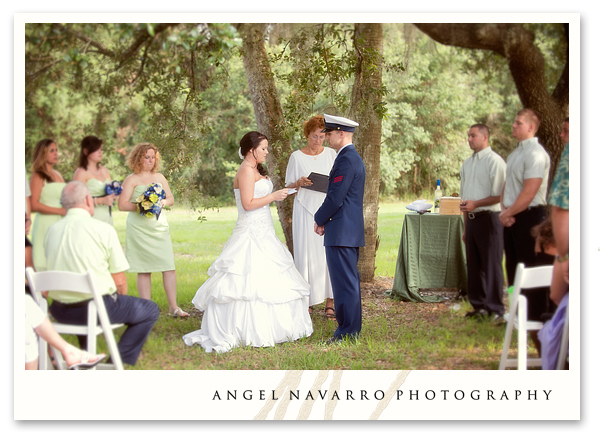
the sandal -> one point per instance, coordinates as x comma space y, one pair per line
85, 364
330, 315
310, 310
178, 312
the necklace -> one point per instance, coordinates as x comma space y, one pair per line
98, 172
316, 154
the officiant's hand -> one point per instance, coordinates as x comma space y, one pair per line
303, 181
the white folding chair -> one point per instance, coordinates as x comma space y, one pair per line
525, 278
77, 283
564, 344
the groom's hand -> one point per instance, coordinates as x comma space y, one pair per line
319, 230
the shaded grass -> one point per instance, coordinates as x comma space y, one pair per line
395, 335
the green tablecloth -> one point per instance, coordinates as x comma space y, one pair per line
431, 255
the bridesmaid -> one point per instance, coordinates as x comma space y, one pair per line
95, 176
46, 186
148, 245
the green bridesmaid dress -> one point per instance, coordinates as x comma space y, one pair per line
148, 245
50, 196
98, 189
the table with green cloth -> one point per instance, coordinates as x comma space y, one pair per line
431, 255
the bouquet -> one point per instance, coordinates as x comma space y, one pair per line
149, 203
113, 188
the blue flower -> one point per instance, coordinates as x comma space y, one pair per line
113, 188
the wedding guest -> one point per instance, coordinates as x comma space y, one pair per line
309, 251
148, 245
481, 182
96, 177
37, 324
523, 206
80, 243
28, 248
551, 334
559, 200
46, 186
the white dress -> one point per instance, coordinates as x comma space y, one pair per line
254, 295
309, 251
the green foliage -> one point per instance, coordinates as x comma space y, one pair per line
137, 82
442, 91
183, 87
313, 67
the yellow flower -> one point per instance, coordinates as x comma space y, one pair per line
147, 204
139, 199
148, 214
153, 198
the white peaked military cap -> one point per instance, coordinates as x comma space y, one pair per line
335, 123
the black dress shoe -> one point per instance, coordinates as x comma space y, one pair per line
332, 341
478, 313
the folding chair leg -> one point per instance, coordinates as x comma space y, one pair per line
43, 359
564, 344
507, 340
522, 335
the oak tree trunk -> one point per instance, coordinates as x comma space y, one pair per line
269, 116
368, 44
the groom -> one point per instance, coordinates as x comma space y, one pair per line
340, 219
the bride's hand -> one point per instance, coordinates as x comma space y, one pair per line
280, 195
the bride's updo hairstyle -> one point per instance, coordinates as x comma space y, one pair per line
249, 143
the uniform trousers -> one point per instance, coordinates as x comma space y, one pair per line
345, 282
519, 246
138, 314
484, 244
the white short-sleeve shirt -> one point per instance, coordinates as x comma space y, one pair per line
481, 176
528, 160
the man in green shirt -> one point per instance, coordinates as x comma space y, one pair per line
481, 182
79, 243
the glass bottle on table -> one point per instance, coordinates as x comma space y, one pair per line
437, 195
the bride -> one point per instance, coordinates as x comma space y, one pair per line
254, 295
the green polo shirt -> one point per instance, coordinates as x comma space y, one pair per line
80, 243
481, 176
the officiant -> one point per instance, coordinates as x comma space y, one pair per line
309, 252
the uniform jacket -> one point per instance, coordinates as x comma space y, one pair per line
342, 210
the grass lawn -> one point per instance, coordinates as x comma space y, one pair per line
395, 335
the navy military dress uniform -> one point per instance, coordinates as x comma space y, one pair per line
342, 215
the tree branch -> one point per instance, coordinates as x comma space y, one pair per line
99, 47
142, 36
511, 41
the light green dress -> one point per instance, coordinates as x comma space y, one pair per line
50, 196
148, 245
98, 189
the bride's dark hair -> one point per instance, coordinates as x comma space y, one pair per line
249, 142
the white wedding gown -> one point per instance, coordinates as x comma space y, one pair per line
254, 295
